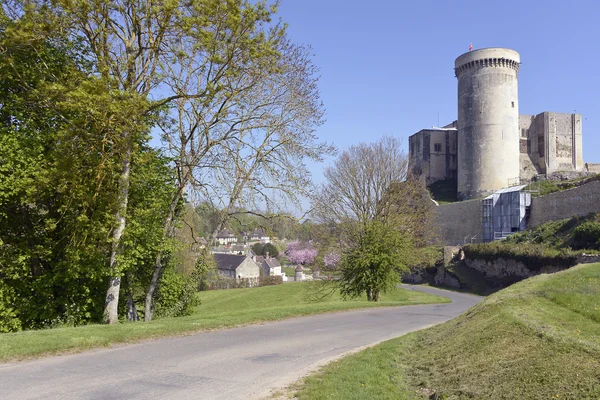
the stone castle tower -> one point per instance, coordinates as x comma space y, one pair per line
490, 146
488, 121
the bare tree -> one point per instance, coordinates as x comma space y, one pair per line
246, 146
360, 179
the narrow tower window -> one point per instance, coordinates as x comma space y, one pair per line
512, 103
437, 147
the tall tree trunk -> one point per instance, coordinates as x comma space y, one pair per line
111, 311
167, 229
132, 314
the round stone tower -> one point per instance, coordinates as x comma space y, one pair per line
488, 121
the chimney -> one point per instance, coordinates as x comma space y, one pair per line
268, 257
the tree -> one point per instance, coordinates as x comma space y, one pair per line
374, 264
301, 253
257, 248
263, 249
61, 143
271, 250
359, 180
378, 210
246, 147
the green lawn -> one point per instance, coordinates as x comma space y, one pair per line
538, 339
219, 309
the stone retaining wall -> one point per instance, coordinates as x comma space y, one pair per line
580, 201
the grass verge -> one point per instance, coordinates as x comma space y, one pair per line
538, 339
219, 309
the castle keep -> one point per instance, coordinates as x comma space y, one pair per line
491, 146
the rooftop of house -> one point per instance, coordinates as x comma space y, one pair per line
271, 262
259, 233
225, 234
228, 262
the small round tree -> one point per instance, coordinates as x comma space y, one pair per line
303, 254
374, 264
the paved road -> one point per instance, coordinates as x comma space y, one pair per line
240, 363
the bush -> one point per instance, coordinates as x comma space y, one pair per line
9, 321
222, 282
176, 295
587, 236
270, 280
534, 257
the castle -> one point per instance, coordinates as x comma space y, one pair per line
491, 146
491, 151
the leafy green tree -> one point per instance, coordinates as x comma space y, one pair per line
373, 265
257, 248
271, 250
262, 249
60, 151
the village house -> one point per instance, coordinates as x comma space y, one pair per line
238, 267
226, 237
270, 265
260, 235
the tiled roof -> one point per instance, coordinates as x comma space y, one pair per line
228, 262
225, 234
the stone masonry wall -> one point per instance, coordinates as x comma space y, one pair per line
456, 221
568, 203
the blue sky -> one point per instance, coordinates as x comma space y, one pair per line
387, 66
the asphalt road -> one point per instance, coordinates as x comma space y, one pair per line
240, 363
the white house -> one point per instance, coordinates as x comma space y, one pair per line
270, 265
226, 237
260, 235
238, 267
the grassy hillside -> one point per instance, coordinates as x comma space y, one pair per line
219, 309
542, 188
538, 339
576, 233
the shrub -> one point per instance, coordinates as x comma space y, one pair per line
9, 321
270, 280
533, 256
174, 296
587, 235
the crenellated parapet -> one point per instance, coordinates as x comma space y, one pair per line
487, 58
487, 63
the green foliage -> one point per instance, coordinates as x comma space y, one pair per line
542, 188
575, 232
270, 280
587, 235
262, 249
534, 257
177, 295
61, 149
271, 249
257, 248
425, 257
9, 320
373, 265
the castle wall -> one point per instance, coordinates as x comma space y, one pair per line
562, 136
593, 168
528, 149
433, 153
458, 222
579, 201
